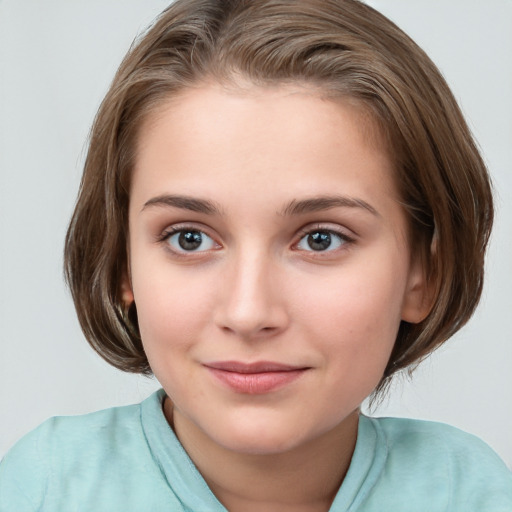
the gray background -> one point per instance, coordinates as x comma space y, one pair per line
56, 60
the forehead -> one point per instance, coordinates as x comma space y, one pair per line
288, 138
213, 100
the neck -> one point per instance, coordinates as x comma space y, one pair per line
304, 479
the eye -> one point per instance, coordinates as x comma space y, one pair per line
322, 241
190, 240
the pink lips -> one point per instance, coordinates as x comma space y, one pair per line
254, 378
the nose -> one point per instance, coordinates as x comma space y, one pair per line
252, 304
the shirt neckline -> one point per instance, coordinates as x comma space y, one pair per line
178, 469
193, 492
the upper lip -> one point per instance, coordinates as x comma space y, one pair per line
256, 367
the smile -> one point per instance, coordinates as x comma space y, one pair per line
254, 378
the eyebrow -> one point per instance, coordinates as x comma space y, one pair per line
294, 207
320, 203
185, 203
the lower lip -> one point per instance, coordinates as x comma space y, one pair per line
256, 383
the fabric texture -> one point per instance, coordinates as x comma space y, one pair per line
128, 459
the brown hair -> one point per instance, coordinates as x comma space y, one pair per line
345, 48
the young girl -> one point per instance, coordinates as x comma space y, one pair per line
281, 207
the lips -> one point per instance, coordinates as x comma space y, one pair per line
254, 378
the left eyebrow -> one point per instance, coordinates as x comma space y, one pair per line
315, 204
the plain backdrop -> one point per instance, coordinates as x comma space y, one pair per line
56, 60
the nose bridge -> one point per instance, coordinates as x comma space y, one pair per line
252, 303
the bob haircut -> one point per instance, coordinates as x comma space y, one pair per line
346, 50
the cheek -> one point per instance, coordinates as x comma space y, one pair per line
171, 309
355, 316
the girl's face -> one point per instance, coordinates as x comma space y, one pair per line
269, 262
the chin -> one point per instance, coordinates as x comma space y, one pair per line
260, 437
260, 444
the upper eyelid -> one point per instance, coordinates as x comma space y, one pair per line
185, 226
329, 227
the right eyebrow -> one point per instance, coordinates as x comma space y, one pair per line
185, 203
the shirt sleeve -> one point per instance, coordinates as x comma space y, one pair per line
24, 473
432, 467
480, 479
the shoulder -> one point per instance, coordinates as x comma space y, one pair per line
70, 434
67, 452
445, 464
437, 440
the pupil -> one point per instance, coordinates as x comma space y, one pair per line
319, 241
190, 240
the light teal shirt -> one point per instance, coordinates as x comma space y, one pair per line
128, 459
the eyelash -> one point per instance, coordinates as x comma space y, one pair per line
344, 239
174, 230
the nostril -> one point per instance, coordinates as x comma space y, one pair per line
250, 331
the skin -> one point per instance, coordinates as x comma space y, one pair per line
256, 290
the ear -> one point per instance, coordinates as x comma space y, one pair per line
126, 290
126, 287
126, 280
419, 294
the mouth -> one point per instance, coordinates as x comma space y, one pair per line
255, 378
